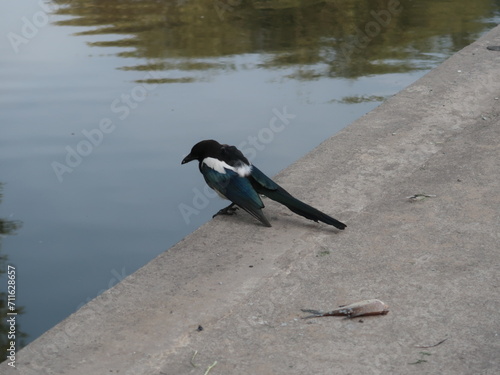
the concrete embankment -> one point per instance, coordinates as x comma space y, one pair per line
435, 261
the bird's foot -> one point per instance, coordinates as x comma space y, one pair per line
229, 210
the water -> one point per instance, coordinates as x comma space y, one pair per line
101, 101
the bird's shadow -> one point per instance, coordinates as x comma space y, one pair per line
278, 218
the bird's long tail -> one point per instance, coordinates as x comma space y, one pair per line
280, 195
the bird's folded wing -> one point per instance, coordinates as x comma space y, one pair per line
262, 179
235, 188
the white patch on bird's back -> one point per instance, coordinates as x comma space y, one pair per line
216, 164
220, 166
243, 170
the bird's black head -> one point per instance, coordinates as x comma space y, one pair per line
203, 149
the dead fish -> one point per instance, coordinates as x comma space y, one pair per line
353, 310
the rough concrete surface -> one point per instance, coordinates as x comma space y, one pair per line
435, 261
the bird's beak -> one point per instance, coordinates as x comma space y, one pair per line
187, 159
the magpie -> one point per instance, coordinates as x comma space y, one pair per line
227, 171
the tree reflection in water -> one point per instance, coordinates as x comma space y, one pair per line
194, 40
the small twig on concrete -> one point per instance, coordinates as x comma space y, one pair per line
417, 362
419, 197
421, 359
192, 359
431, 346
210, 367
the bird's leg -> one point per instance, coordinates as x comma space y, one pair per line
229, 210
